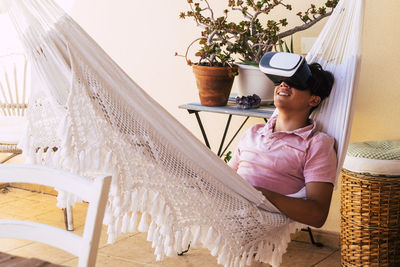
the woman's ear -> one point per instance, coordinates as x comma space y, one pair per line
315, 100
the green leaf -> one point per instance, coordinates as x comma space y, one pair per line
291, 44
228, 156
287, 48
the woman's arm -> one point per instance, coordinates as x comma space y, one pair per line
311, 211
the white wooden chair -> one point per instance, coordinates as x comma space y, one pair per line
14, 80
14, 94
93, 191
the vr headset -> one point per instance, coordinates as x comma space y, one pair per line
286, 67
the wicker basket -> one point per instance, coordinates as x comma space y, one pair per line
370, 220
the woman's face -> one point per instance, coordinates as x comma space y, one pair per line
287, 97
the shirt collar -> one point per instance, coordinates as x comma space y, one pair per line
304, 132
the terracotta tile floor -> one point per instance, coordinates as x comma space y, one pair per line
130, 249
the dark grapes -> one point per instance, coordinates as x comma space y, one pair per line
246, 102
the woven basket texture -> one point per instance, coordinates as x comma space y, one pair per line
9, 148
370, 220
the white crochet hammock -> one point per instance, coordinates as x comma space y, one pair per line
100, 120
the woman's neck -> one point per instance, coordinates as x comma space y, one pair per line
290, 122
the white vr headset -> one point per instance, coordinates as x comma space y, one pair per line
286, 67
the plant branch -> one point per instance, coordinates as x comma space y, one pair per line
303, 27
187, 50
211, 37
211, 11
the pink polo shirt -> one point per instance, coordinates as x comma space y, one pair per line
284, 162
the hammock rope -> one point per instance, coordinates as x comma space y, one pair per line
101, 121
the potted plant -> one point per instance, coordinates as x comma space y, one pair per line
215, 69
256, 35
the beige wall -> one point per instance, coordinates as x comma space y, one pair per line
142, 36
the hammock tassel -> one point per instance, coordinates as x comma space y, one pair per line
214, 251
185, 239
236, 261
228, 260
178, 241
259, 250
168, 241
170, 251
111, 234
114, 189
156, 237
111, 238
56, 159
107, 217
243, 259
48, 156
133, 222
159, 253
159, 258
117, 226
150, 233
266, 254
196, 236
117, 207
209, 238
125, 223
275, 258
222, 256
39, 155
143, 225
250, 257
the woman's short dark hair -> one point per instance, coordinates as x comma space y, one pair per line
321, 81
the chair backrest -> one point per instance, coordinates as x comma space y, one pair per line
94, 191
14, 80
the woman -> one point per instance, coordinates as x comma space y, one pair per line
288, 153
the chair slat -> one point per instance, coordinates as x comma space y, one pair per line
16, 87
13, 84
11, 100
24, 88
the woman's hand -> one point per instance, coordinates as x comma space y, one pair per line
311, 211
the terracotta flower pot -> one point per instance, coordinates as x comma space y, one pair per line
214, 84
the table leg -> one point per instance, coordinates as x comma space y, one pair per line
224, 135
309, 230
203, 132
221, 149
234, 136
